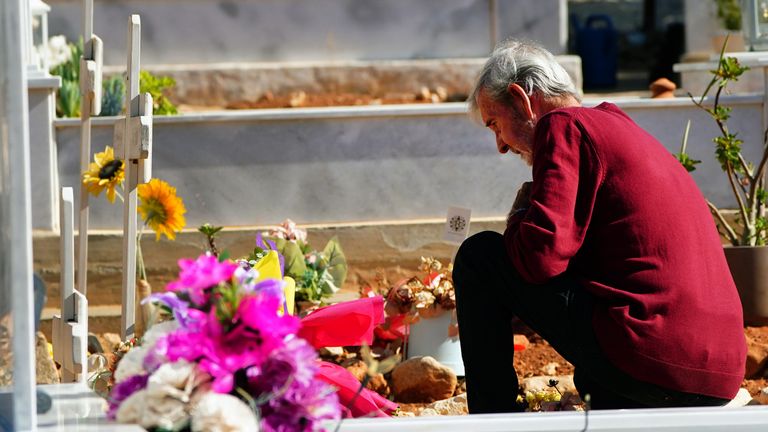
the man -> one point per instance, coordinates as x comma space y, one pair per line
610, 254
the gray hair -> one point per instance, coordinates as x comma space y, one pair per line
524, 63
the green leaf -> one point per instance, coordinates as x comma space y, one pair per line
337, 262
158, 86
762, 195
295, 266
688, 163
728, 150
113, 96
68, 100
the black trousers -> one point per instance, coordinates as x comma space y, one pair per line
490, 293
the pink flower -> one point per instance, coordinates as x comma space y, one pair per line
198, 275
256, 331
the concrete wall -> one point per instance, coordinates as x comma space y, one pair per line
366, 164
207, 31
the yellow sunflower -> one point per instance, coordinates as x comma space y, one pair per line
105, 172
161, 209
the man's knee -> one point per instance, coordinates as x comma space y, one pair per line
480, 244
475, 251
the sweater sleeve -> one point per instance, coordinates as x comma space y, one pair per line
566, 177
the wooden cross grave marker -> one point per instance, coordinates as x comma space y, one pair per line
133, 143
70, 329
90, 104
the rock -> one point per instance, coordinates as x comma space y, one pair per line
743, 398
422, 379
377, 383
541, 383
550, 368
298, 99
428, 412
331, 352
762, 397
757, 357
456, 405
110, 341
461, 387
45, 368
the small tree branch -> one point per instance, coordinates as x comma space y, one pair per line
729, 232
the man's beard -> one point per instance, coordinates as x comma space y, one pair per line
526, 135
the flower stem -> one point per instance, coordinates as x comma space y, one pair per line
141, 268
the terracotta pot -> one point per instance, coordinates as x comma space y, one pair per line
749, 268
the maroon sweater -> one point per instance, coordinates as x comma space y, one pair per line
611, 207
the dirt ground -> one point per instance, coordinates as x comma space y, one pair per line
305, 100
532, 361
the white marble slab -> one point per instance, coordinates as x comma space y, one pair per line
77, 409
747, 419
329, 165
302, 30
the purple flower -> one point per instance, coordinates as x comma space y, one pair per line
179, 307
301, 408
122, 390
198, 275
296, 360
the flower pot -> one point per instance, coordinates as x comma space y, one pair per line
429, 337
749, 268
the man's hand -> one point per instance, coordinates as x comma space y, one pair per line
522, 200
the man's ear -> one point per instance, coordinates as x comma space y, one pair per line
521, 102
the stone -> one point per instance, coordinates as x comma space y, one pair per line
757, 357
422, 379
377, 383
110, 341
541, 383
742, 398
45, 368
762, 397
550, 368
456, 405
428, 412
331, 352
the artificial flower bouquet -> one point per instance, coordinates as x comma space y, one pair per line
318, 274
424, 297
230, 359
409, 300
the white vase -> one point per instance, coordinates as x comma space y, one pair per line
429, 337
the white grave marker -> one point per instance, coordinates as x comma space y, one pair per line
70, 329
133, 142
90, 103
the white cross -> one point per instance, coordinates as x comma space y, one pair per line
90, 103
133, 142
70, 329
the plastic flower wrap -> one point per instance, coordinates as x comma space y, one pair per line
232, 349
